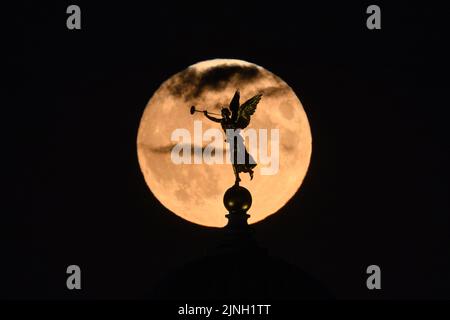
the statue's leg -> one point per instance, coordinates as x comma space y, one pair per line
236, 174
250, 171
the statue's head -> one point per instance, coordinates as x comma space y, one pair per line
226, 113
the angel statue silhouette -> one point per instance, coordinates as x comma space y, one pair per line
233, 119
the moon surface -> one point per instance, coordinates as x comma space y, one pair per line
195, 191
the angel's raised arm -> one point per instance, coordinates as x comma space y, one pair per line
211, 118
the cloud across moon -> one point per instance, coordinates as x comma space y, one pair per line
195, 191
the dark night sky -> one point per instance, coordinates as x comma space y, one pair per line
377, 191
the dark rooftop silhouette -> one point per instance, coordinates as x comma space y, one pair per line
238, 268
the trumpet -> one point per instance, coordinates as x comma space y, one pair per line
193, 110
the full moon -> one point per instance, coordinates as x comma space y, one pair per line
195, 191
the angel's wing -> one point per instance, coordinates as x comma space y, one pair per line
234, 105
246, 110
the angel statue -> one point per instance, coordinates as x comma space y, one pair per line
233, 119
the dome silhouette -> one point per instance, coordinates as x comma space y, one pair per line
238, 267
